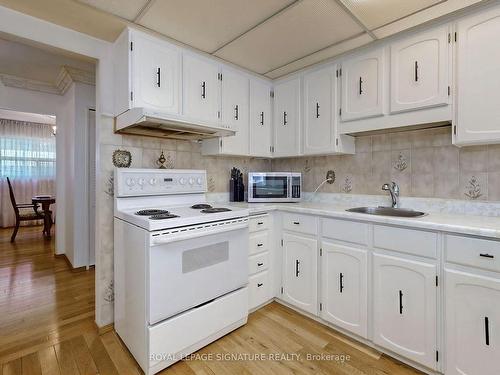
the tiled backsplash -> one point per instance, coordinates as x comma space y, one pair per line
182, 155
423, 162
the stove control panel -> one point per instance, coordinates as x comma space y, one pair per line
130, 182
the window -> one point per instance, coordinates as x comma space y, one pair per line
27, 150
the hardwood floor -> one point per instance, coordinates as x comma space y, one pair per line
47, 328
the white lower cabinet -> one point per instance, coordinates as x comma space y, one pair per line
405, 308
472, 324
259, 261
300, 272
258, 289
344, 287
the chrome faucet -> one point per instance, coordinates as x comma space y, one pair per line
393, 189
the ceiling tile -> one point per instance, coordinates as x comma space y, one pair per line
126, 9
208, 25
322, 55
423, 16
302, 29
71, 14
375, 13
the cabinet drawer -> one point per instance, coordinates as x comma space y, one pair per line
258, 262
259, 289
300, 223
405, 240
343, 230
258, 223
259, 242
474, 252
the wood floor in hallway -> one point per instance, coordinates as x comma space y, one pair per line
47, 327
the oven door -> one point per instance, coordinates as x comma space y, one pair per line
193, 265
269, 188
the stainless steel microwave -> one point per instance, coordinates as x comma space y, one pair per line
274, 187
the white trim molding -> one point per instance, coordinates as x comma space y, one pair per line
65, 78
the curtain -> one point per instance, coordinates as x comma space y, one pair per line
28, 158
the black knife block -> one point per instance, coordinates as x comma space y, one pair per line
236, 190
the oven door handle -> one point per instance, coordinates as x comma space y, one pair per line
179, 234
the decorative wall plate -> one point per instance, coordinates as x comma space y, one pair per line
122, 158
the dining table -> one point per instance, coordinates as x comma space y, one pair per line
45, 201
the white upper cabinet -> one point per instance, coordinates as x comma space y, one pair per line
235, 111
419, 71
287, 118
477, 106
344, 287
472, 324
147, 73
319, 99
201, 88
300, 272
155, 74
260, 118
405, 308
362, 86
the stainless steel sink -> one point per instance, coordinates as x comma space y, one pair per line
387, 211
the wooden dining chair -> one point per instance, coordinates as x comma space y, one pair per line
23, 211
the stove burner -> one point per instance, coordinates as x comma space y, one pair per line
214, 210
201, 206
162, 216
151, 212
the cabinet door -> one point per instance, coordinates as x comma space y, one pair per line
286, 118
155, 74
344, 287
362, 84
419, 71
472, 324
318, 101
235, 111
300, 272
477, 79
201, 88
404, 298
260, 118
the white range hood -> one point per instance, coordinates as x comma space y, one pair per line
143, 121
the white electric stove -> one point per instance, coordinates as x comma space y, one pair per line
181, 265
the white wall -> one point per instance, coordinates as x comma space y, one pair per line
84, 100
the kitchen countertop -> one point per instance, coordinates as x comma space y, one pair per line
484, 226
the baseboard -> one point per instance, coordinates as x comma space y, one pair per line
77, 269
105, 329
